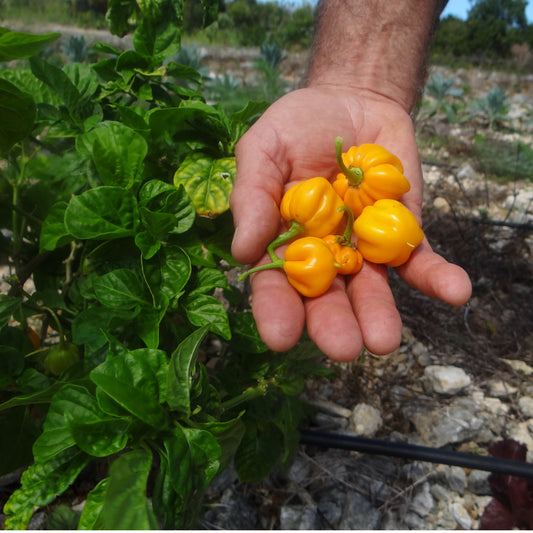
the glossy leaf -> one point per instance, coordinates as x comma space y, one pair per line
117, 152
18, 45
120, 289
41, 483
194, 460
53, 232
91, 515
125, 505
181, 370
17, 115
8, 306
208, 182
203, 309
244, 333
136, 380
71, 402
102, 213
258, 453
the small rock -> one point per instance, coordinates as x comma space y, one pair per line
457, 479
299, 470
525, 404
440, 493
423, 502
359, 513
461, 515
519, 366
500, 389
466, 172
520, 433
478, 483
457, 422
447, 379
441, 205
297, 517
330, 507
365, 420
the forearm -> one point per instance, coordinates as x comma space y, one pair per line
374, 45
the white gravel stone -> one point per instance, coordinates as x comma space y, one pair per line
525, 404
447, 379
365, 420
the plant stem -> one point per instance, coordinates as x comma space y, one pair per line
354, 175
247, 395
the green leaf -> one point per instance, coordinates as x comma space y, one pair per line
244, 334
203, 309
148, 322
181, 370
101, 438
54, 234
19, 431
102, 213
167, 272
17, 114
41, 483
125, 504
58, 81
8, 306
118, 15
91, 324
18, 45
91, 516
208, 182
71, 402
258, 452
210, 279
63, 518
194, 459
119, 289
117, 151
137, 381
165, 209
157, 39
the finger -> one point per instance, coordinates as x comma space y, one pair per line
431, 274
278, 310
256, 195
332, 325
375, 309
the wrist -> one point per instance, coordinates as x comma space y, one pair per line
377, 47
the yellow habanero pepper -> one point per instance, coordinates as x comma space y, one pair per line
347, 256
310, 266
369, 173
313, 204
387, 232
311, 208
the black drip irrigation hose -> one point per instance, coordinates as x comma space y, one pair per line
416, 452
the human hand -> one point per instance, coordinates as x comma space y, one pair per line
293, 141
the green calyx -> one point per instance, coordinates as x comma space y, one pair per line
354, 175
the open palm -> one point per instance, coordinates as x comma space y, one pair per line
294, 140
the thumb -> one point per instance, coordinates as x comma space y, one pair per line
255, 199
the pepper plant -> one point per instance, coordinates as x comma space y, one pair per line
126, 350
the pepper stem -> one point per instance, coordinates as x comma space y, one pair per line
278, 263
346, 239
353, 174
294, 230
